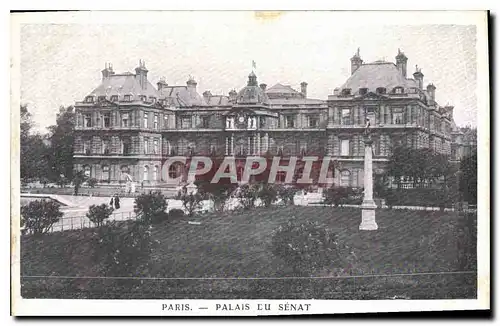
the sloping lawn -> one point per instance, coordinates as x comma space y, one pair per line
216, 259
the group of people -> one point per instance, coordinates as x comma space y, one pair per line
115, 201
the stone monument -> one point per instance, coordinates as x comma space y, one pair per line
368, 206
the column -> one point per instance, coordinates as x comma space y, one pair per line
368, 206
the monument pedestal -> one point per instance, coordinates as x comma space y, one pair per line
368, 206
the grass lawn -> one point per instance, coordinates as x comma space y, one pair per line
229, 256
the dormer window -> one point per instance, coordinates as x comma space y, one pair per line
142, 98
101, 98
363, 91
114, 98
152, 99
398, 90
346, 91
127, 98
381, 90
89, 99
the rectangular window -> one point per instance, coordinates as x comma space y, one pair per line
156, 121
205, 121
152, 99
106, 120
370, 115
87, 120
127, 98
344, 147
125, 120
262, 122
155, 146
114, 98
101, 98
313, 122
346, 116
186, 122
165, 121
289, 121
229, 122
145, 120
146, 149
229, 145
89, 99
105, 146
397, 116
86, 146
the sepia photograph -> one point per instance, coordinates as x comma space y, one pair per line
249, 162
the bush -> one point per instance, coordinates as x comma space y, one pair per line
217, 192
247, 195
175, 213
427, 197
339, 196
152, 207
191, 202
98, 213
267, 193
39, 216
122, 248
92, 182
306, 247
286, 193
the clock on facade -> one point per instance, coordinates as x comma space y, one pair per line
241, 119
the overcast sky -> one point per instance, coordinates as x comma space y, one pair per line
61, 63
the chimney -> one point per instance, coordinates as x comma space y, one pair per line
431, 89
356, 62
191, 86
161, 83
419, 77
207, 95
401, 61
141, 73
232, 95
263, 87
303, 89
107, 71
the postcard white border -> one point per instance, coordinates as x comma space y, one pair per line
153, 307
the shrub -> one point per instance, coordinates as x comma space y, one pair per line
175, 213
39, 216
92, 182
122, 248
191, 202
337, 196
152, 207
306, 247
98, 213
286, 193
247, 195
267, 193
217, 192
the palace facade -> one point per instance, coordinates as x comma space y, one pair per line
128, 127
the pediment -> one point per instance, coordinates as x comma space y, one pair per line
373, 96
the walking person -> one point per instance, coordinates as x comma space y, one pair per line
112, 202
117, 201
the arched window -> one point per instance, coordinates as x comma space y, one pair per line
345, 178
172, 171
146, 173
105, 173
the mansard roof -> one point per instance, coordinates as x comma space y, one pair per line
377, 74
124, 84
181, 96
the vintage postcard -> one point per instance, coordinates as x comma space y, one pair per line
246, 163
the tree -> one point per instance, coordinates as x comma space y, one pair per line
39, 216
468, 178
267, 193
152, 207
98, 213
217, 192
191, 202
33, 150
79, 177
92, 182
61, 137
286, 193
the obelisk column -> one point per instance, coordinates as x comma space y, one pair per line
368, 206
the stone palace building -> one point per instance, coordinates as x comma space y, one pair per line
128, 127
